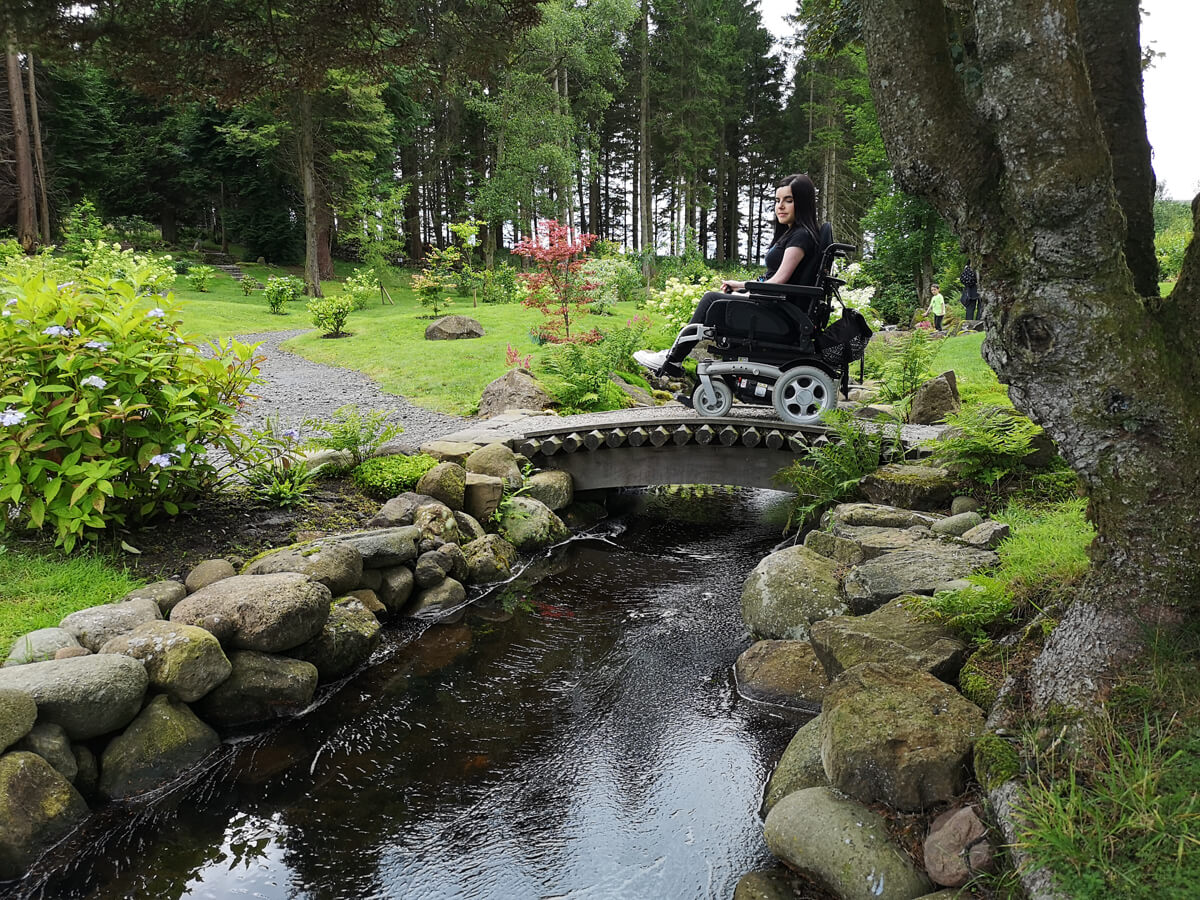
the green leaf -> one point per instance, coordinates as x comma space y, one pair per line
129, 548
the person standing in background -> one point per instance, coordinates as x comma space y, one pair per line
970, 295
937, 306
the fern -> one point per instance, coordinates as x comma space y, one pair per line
985, 444
579, 376
906, 365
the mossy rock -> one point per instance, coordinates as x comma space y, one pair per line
996, 761
982, 676
37, 807
165, 740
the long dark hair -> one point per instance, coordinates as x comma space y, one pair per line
804, 200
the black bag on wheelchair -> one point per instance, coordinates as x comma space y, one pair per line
845, 340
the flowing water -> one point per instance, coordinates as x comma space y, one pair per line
590, 746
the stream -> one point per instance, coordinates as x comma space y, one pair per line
577, 736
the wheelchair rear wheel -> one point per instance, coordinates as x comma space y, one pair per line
717, 402
802, 394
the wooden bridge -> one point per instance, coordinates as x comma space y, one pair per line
664, 445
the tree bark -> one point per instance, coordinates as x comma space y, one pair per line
324, 239
22, 165
412, 200
647, 225
38, 158
1028, 185
308, 180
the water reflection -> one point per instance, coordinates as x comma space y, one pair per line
590, 747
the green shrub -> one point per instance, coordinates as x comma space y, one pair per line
384, 477
9, 248
135, 231
985, 444
100, 259
501, 285
181, 266
830, 472
283, 484
896, 303
618, 280
1170, 246
676, 302
82, 224
352, 430
199, 276
330, 314
361, 287
106, 412
282, 289
579, 376
246, 283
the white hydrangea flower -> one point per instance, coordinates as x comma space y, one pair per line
95, 381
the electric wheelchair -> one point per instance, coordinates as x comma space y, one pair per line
775, 347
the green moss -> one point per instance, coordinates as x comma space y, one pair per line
384, 477
996, 761
981, 677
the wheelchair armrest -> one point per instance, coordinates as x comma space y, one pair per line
783, 291
840, 249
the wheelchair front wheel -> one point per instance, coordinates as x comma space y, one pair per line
717, 402
802, 394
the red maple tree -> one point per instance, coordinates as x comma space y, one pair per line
558, 288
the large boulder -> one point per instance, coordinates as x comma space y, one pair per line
893, 735
37, 807
987, 535
788, 591
482, 495
909, 487
839, 549
800, 766
87, 695
399, 510
18, 712
39, 646
515, 389
894, 633
434, 602
489, 559
529, 524
469, 528
780, 883
785, 673
261, 687
844, 845
436, 523
383, 547
50, 742
934, 400
553, 487
499, 461
165, 593
449, 451
182, 660
95, 626
454, 328
871, 584
335, 564
271, 613
350, 635
206, 572
849, 514
395, 588
446, 483
873, 540
165, 740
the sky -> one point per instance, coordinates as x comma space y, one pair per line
1171, 86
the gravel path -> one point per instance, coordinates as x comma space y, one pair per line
296, 389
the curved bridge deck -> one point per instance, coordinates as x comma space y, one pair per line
664, 445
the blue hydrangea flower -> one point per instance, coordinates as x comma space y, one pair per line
97, 345
11, 417
57, 331
291, 433
155, 313
162, 460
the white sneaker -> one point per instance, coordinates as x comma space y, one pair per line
651, 359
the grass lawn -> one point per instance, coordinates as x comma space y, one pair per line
37, 591
977, 383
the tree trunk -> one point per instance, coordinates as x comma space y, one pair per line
412, 200
308, 180
719, 212
647, 226
38, 158
23, 167
167, 224
1028, 185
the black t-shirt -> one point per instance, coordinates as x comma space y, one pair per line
806, 272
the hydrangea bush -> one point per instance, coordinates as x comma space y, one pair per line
106, 411
617, 279
281, 289
676, 302
361, 287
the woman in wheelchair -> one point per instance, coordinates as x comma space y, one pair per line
772, 338
793, 257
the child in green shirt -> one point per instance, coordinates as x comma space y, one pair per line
937, 306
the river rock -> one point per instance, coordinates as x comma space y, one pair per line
515, 389
529, 524
800, 766
261, 687
780, 883
958, 848
433, 602
436, 523
469, 528
934, 400
839, 549
788, 591
987, 535
873, 541
371, 580
88, 695
490, 559
957, 525
71, 652
94, 626
446, 483
909, 487
482, 495
454, 561
396, 587
892, 735
39, 646
208, 572
369, 600
50, 742
499, 461
964, 504
87, 770
349, 637
335, 564
894, 633
850, 514
399, 510
334, 459
553, 487
184, 661
844, 845
271, 613
18, 712
383, 547
450, 451
786, 673
165, 740
165, 593
37, 807
430, 569
873, 583
453, 328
